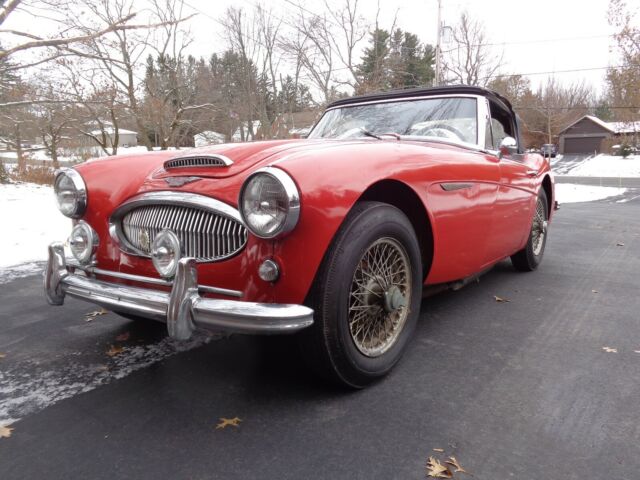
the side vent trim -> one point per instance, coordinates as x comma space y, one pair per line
198, 161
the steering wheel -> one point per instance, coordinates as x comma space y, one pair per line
449, 132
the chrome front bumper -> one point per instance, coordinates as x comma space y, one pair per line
183, 309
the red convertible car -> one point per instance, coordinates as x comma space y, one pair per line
333, 237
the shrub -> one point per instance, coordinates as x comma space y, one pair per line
4, 175
43, 175
625, 150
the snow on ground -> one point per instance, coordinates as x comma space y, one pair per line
23, 393
570, 193
607, 166
30, 221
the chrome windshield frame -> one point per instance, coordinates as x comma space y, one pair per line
482, 111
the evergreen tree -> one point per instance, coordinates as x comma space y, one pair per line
373, 72
395, 61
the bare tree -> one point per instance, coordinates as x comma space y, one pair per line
471, 61
325, 46
70, 36
559, 105
311, 48
624, 81
352, 30
241, 32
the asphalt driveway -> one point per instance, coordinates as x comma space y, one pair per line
522, 389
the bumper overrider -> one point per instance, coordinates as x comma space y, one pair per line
183, 309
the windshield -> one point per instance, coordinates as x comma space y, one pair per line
452, 119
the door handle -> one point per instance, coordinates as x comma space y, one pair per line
532, 173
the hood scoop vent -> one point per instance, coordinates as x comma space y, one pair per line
198, 161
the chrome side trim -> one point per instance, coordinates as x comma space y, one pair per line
152, 281
198, 161
183, 309
452, 186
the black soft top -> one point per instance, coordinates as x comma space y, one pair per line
425, 91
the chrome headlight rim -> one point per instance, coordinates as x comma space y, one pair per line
293, 202
80, 191
93, 242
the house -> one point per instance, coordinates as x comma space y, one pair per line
586, 135
126, 138
208, 137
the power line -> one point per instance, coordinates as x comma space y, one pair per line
553, 72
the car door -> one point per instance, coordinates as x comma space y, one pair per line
462, 205
513, 212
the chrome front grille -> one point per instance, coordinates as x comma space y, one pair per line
205, 234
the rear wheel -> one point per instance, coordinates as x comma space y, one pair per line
366, 297
528, 259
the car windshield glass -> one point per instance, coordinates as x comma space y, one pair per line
452, 119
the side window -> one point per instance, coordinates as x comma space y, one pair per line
501, 124
499, 133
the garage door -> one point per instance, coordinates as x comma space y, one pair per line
582, 145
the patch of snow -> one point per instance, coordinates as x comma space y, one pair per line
608, 166
570, 193
23, 393
626, 200
9, 274
30, 222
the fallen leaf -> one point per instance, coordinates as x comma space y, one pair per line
620, 244
454, 462
115, 350
225, 422
500, 299
439, 450
102, 368
5, 432
3, 355
610, 350
436, 470
91, 315
123, 337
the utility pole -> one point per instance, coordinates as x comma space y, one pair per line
438, 78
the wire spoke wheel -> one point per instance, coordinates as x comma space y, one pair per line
539, 228
380, 297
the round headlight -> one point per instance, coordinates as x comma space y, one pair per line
71, 193
269, 203
83, 242
165, 253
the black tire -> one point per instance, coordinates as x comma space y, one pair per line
530, 257
329, 345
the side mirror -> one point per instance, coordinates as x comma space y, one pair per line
508, 146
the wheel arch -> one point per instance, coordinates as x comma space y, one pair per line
403, 197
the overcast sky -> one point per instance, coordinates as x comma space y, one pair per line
536, 36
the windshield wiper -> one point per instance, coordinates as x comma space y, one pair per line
367, 133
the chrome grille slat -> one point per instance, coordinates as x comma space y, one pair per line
207, 235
